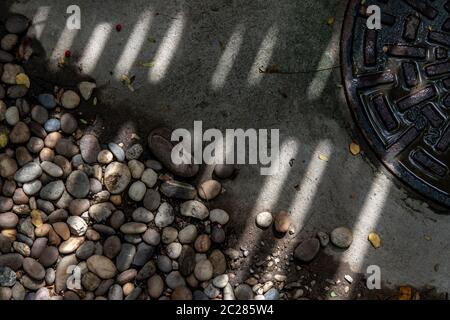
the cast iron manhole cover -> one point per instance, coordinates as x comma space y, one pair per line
397, 82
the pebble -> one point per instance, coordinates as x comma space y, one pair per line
86, 88
28, 173
142, 215
7, 277
77, 225
52, 169
149, 177
188, 234
203, 270
143, 254
71, 245
125, 257
221, 281
165, 215
272, 294
341, 237
52, 191
152, 200
164, 264
209, 189
49, 256
52, 125
86, 250
133, 228
12, 116
179, 190
16, 23
8, 220
211, 291
111, 247
219, 216
137, 191
218, 262
78, 184
33, 268
174, 280
70, 99
307, 250
323, 237
117, 151
155, 286
282, 222
136, 168
264, 219
174, 250
105, 157
202, 243
9, 42
194, 209
134, 152
100, 211
102, 267
217, 235
152, 237
117, 177
20, 133
243, 292
10, 71
8, 166
224, 171
90, 148
47, 100
68, 123
181, 293
39, 114
115, 293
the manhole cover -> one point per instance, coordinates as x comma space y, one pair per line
397, 82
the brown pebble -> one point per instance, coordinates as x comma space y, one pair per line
202, 243
282, 222
209, 189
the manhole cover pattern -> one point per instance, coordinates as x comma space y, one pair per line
397, 82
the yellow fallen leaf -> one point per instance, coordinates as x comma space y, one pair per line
22, 78
375, 240
355, 149
147, 64
36, 218
331, 21
323, 157
405, 293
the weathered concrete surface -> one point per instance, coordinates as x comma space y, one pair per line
206, 59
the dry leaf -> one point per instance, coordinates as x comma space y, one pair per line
323, 157
22, 78
355, 149
331, 21
405, 293
147, 64
375, 240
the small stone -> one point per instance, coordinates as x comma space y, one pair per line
175, 280
90, 148
78, 206
117, 177
39, 114
70, 99
181, 293
71, 245
9, 42
17, 23
12, 116
164, 264
188, 234
217, 235
77, 225
7, 277
307, 250
272, 294
341, 237
218, 262
117, 151
105, 157
155, 286
194, 209
77, 184
137, 191
221, 281
102, 267
134, 152
22, 248
28, 173
224, 171
219, 216
112, 246
86, 250
133, 228
152, 237
169, 235
136, 168
86, 88
264, 219
20, 133
52, 125
68, 123
64, 147
143, 254
142, 215
52, 191
152, 200
101, 211
165, 215
174, 250
47, 100
8, 220
8, 166
202, 243
243, 292
125, 257
149, 177
282, 222
209, 189
203, 270
323, 238
180, 190
33, 268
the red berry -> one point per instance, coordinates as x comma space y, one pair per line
67, 54
118, 27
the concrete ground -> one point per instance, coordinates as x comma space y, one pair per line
205, 58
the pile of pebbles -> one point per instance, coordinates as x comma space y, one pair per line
86, 219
